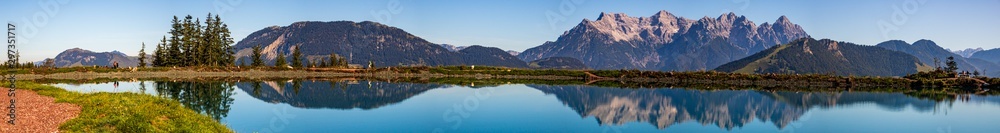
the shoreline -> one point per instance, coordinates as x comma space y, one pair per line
612, 78
259, 74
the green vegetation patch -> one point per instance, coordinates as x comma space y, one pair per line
753, 66
126, 112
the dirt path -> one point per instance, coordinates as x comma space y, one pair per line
35, 113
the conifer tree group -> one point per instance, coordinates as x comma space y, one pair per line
192, 44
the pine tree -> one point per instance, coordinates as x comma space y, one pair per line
187, 43
322, 63
199, 56
296, 58
210, 44
174, 50
142, 55
158, 52
337, 60
257, 61
223, 35
952, 66
280, 61
341, 61
334, 60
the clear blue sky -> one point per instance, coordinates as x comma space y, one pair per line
106, 25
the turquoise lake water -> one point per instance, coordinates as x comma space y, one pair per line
375, 106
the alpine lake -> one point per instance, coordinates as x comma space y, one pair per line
363, 105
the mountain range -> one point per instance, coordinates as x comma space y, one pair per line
454, 48
966, 52
80, 57
810, 56
361, 42
992, 55
664, 41
927, 51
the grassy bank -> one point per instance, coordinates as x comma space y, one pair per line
126, 112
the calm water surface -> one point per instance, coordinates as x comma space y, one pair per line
373, 106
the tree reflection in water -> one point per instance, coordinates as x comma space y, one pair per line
209, 98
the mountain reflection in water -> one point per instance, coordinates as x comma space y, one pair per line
664, 107
724, 108
335, 95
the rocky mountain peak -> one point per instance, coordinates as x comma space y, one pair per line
765, 25
664, 41
705, 19
784, 30
664, 18
728, 17
782, 20
661, 14
618, 27
742, 20
612, 16
968, 52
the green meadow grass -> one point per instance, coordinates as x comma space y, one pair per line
126, 112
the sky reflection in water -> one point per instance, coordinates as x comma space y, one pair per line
363, 106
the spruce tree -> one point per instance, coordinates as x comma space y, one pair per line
280, 61
142, 55
337, 60
257, 61
209, 46
174, 50
333, 60
187, 43
296, 58
157, 60
322, 63
223, 35
198, 44
341, 61
952, 66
